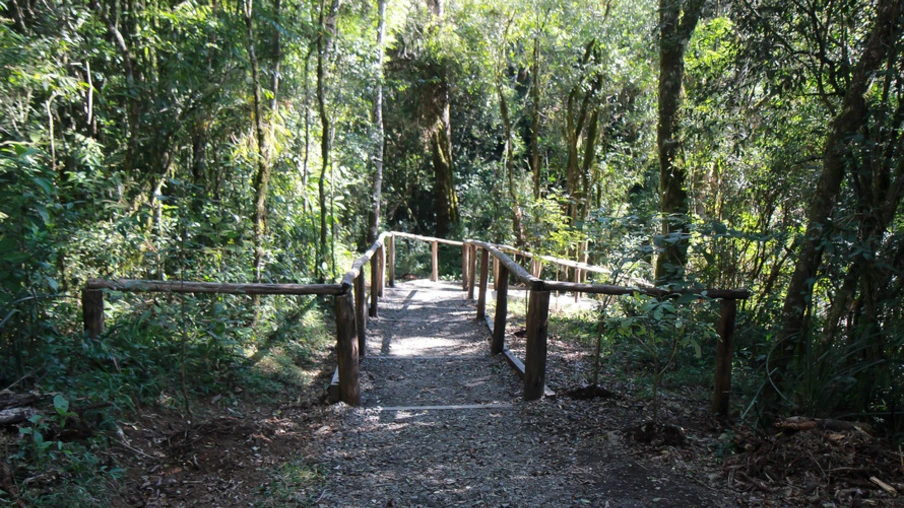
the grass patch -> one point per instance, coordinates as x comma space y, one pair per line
297, 482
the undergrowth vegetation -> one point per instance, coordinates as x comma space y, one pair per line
638, 342
161, 351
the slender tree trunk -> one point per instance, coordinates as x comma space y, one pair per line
535, 118
132, 106
374, 225
589, 153
324, 151
262, 177
517, 215
677, 20
571, 163
307, 135
327, 22
277, 58
576, 119
198, 159
847, 124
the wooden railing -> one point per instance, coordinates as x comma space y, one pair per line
350, 300
538, 312
349, 310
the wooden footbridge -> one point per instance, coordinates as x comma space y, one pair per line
354, 305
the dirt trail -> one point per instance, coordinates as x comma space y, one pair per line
426, 349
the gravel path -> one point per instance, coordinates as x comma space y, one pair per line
492, 449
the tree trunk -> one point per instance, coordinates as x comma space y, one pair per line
571, 163
535, 118
439, 136
445, 197
517, 216
133, 112
847, 124
327, 22
262, 177
277, 57
675, 29
324, 156
374, 225
307, 134
589, 153
576, 120
198, 160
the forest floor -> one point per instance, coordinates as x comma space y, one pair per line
442, 423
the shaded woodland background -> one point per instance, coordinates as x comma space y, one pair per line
747, 143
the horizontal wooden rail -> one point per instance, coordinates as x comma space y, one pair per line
358, 265
577, 265
427, 238
605, 289
538, 313
174, 286
554, 260
514, 268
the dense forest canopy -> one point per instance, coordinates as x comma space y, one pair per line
749, 143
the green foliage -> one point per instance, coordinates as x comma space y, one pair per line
127, 150
669, 334
137, 162
42, 450
548, 228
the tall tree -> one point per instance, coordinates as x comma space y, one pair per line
439, 132
262, 176
847, 130
581, 118
378, 126
677, 20
509, 149
535, 116
509, 167
327, 27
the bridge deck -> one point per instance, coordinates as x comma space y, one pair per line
443, 423
426, 348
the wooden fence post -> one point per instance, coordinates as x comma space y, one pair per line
482, 290
535, 355
495, 274
724, 347
374, 285
434, 261
501, 312
577, 280
360, 314
464, 266
347, 351
472, 270
381, 266
391, 281
93, 312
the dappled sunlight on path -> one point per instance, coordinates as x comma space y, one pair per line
442, 422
